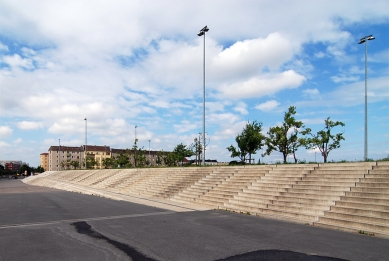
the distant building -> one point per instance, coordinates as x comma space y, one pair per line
99, 153
44, 160
13, 165
60, 157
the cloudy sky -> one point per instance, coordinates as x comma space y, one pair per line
123, 64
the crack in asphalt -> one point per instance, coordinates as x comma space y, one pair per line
85, 229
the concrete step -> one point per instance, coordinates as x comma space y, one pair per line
291, 194
266, 178
358, 218
317, 191
373, 190
261, 185
365, 206
334, 179
367, 195
293, 215
332, 188
365, 200
295, 209
371, 185
325, 207
361, 212
259, 189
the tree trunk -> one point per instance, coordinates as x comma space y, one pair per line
285, 158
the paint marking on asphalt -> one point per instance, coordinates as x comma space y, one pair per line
84, 219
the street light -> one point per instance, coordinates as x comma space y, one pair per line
149, 153
136, 126
85, 140
365, 40
59, 153
201, 33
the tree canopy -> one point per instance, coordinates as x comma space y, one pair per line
248, 141
285, 138
324, 140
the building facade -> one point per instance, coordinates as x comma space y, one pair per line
44, 160
13, 165
65, 157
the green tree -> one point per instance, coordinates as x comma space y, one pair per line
182, 151
75, 164
324, 140
160, 155
197, 149
25, 168
40, 169
122, 159
249, 141
90, 162
170, 159
285, 138
108, 163
139, 155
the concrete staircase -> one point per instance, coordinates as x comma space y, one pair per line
365, 208
346, 196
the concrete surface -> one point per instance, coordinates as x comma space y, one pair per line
46, 224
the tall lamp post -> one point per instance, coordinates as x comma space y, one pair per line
365, 40
201, 33
85, 140
136, 126
59, 154
149, 153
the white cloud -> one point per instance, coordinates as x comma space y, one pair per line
268, 106
18, 141
17, 61
29, 125
258, 87
185, 126
241, 107
5, 131
312, 93
3, 47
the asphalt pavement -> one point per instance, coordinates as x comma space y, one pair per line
38, 223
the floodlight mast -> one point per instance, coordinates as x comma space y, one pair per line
365, 40
201, 33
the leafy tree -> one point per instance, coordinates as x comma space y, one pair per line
182, 151
285, 138
170, 159
324, 140
90, 162
197, 149
40, 169
122, 159
139, 155
108, 163
249, 141
75, 164
24, 168
159, 160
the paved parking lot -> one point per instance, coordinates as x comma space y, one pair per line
46, 224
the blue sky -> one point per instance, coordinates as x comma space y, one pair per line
126, 63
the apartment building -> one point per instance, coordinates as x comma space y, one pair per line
61, 157
44, 161
65, 157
